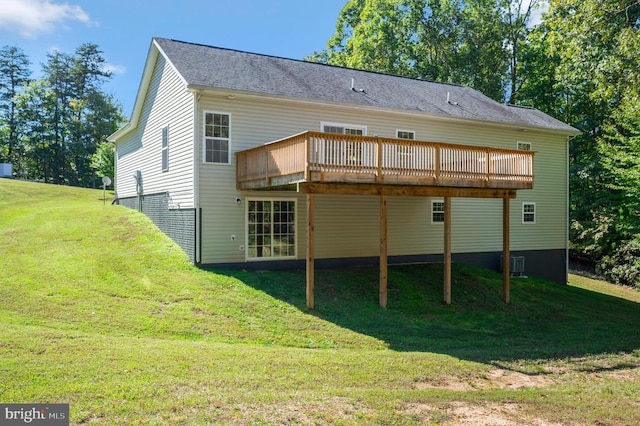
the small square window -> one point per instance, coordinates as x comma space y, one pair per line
406, 134
437, 211
529, 213
524, 146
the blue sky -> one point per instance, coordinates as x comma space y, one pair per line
123, 29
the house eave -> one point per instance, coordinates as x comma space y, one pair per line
216, 91
115, 136
152, 56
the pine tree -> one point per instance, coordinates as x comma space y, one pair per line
14, 74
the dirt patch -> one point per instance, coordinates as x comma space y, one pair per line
458, 413
461, 386
498, 378
505, 379
624, 374
326, 412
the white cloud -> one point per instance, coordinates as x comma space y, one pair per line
114, 69
33, 17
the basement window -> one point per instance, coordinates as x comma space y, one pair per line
529, 213
271, 229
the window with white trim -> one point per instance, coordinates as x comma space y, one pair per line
353, 149
271, 229
344, 129
437, 211
217, 139
524, 146
529, 213
405, 134
165, 148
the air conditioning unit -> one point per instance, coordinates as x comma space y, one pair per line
516, 266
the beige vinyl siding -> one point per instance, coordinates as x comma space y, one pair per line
348, 226
167, 103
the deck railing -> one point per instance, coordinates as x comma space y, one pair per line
326, 157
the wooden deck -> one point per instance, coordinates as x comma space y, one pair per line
315, 157
325, 163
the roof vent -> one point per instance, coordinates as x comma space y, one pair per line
449, 99
353, 86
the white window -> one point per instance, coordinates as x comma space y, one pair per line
529, 213
405, 150
217, 139
165, 148
271, 229
406, 134
524, 146
353, 149
437, 211
344, 129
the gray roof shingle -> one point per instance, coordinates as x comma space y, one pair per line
213, 67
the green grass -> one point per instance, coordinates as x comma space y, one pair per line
100, 310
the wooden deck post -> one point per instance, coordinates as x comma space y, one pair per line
447, 250
383, 251
310, 249
506, 258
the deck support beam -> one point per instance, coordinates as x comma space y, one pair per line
506, 257
403, 190
310, 249
447, 250
383, 192
383, 251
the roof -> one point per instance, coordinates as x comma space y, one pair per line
207, 67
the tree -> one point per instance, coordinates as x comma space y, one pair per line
370, 35
14, 73
36, 110
92, 112
596, 46
485, 51
437, 29
67, 115
103, 161
472, 42
619, 148
59, 87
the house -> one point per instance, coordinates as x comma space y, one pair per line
254, 161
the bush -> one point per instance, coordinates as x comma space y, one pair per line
623, 266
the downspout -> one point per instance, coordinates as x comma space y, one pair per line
568, 224
196, 182
115, 173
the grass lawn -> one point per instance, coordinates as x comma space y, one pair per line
98, 309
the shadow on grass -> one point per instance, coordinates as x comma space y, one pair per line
544, 320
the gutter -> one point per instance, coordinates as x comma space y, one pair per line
360, 108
